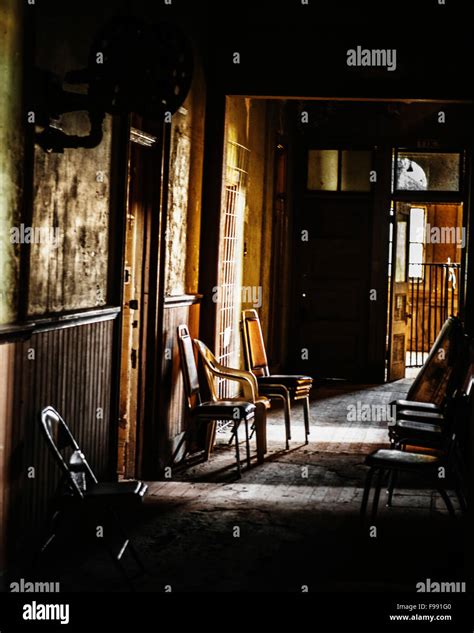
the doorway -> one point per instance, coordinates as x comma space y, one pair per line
139, 296
332, 254
427, 247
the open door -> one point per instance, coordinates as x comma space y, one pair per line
135, 307
398, 306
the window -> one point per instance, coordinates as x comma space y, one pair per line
416, 252
228, 292
401, 252
322, 169
339, 170
427, 171
355, 170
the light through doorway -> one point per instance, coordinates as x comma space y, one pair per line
426, 249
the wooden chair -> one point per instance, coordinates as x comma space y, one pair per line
248, 385
235, 410
440, 375
283, 387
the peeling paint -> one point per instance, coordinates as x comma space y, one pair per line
68, 195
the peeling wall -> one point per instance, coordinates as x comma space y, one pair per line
11, 152
71, 196
184, 197
71, 190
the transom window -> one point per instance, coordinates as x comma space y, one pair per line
339, 170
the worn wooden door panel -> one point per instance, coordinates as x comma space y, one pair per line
332, 284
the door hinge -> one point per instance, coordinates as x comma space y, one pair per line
134, 357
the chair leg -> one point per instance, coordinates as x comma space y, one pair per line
446, 499
392, 481
287, 411
365, 496
306, 418
261, 430
237, 448
210, 437
378, 486
247, 441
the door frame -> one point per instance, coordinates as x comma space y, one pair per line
432, 197
155, 202
375, 359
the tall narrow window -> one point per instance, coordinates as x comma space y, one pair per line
228, 292
416, 253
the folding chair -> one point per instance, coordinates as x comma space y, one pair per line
234, 410
79, 488
283, 387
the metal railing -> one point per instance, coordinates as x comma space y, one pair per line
433, 296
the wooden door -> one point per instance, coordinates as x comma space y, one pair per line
399, 309
139, 244
331, 282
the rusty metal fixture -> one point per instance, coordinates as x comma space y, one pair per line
133, 67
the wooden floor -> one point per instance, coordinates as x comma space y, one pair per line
294, 519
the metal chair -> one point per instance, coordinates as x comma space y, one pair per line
235, 410
249, 386
79, 487
282, 387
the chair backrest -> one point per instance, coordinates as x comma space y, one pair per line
246, 379
210, 365
439, 378
66, 451
458, 410
254, 347
188, 365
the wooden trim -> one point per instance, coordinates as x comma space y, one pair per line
354, 99
22, 331
180, 301
16, 332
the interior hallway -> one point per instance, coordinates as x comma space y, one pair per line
294, 531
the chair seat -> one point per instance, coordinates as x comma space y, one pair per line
418, 427
391, 458
290, 382
225, 408
420, 416
119, 488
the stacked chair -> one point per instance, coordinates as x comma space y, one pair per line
214, 370
235, 410
286, 388
432, 430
